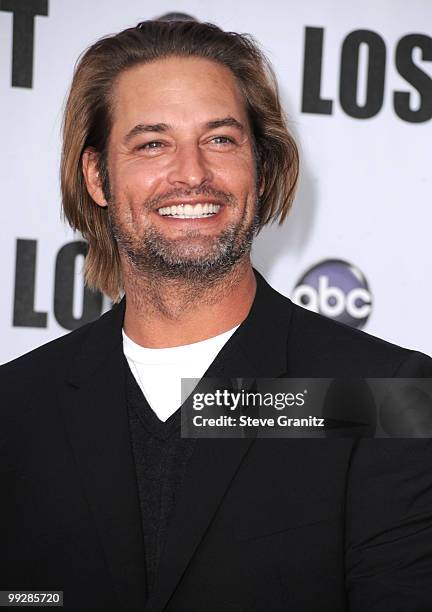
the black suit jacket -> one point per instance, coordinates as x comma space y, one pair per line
260, 525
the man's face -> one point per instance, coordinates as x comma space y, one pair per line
183, 194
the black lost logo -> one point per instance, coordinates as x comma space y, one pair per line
24, 313
335, 289
24, 13
410, 56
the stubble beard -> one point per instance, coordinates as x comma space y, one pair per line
195, 259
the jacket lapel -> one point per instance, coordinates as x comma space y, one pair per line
97, 426
257, 349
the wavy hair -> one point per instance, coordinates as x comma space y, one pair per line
87, 123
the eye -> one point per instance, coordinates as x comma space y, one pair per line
222, 140
152, 145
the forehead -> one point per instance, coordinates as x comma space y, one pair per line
177, 91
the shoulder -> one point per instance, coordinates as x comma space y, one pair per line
38, 380
30, 382
57, 355
33, 380
326, 347
45, 360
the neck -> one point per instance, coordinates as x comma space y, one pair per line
171, 312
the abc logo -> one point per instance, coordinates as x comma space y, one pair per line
336, 289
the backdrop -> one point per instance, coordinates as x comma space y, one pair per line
356, 81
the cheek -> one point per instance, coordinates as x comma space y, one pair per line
238, 175
137, 181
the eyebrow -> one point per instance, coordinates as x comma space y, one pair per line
226, 122
142, 128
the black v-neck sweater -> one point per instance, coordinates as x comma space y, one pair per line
161, 456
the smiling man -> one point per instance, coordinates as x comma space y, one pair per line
176, 152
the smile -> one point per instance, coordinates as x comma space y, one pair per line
189, 211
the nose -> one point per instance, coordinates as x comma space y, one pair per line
190, 168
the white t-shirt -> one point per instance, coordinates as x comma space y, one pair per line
159, 371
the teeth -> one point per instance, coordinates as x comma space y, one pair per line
189, 211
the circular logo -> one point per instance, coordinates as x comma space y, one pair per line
175, 16
336, 289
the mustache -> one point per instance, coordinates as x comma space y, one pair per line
224, 196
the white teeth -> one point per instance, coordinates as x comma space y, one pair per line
189, 211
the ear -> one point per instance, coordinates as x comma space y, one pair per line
261, 187
90, 168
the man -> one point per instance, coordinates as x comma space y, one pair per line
175, 153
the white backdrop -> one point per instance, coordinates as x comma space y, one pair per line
365, 189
